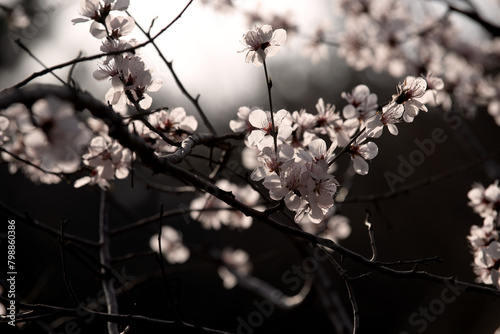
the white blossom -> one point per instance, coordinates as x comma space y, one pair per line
262, 42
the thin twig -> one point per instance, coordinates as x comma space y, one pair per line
105, 258
269, 85
352, 298
372, 236
63, 263
60, 175
25, 48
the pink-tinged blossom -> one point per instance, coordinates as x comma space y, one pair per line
58, 138
410, 95
113, 45
434, 85
236, 261
98, 12
172, 248
129, 75
269, 163
318, 153
175, 123
262, 42
362, 104
261, 121
4, 124
391, 115
485, 202
287, 185
107, 161
320, 189
303, 128
484, 235
242, 124
329, 122
360, 153
316, 49
487, 264
337, 228
116, 27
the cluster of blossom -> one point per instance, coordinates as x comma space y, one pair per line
47, 135
172, 247
484, 240
130, 79
398, 38
173, 124
213, 213
393, 36
293, 158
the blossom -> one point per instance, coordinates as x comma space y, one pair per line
172, 247
4, 124
486, 264
58, 136
362, 104
287, 185
484, 235
318, 154
106, 160
270, 162
174, 123
303, 128
98, 11
485, 202
360, 153
116, 27
234, 262
320, 189
434, 84
410, 95
391, 115
316, 49
261, 121
129, 75
337, 228
329, 122
242, 124
262, 43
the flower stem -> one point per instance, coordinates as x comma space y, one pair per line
274, 133
347, 147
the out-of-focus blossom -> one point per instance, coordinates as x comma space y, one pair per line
58, 137
213, 213
233, 261
172, 247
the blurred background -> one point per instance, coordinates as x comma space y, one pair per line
432, 220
